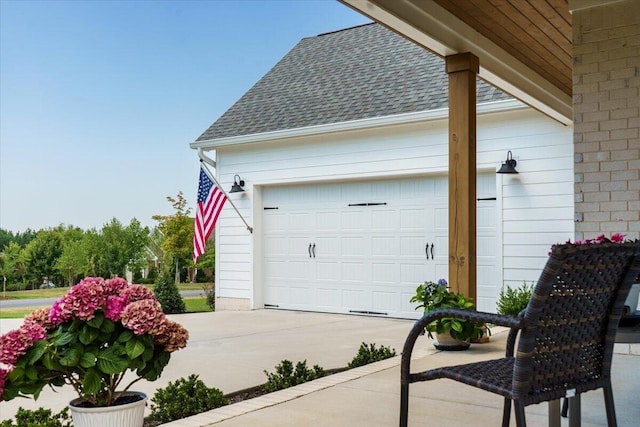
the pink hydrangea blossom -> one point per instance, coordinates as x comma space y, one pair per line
91, 280
138, 293
4, 372
114, 286
144, 316
173, 336
17, 342
130, 306
80, 302
41, 317
58, 313
114, 306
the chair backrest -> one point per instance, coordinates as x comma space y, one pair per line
571, 319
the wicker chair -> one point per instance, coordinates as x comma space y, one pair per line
566, 333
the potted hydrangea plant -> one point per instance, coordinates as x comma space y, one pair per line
451, 333
90, 339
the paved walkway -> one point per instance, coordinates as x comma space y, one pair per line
230, 350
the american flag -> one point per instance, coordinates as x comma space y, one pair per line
211, 200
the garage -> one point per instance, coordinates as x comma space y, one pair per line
363, 247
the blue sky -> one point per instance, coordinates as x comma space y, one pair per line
100, 99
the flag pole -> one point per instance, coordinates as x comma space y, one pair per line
208, 172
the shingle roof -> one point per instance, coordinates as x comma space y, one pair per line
355, 73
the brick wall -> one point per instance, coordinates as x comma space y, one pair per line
606, 93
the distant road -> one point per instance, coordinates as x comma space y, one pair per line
37, 302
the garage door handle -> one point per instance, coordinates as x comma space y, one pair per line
432, 257
309, 250
426, 250
313, 248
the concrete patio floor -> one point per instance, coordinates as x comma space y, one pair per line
230, 350
369, 396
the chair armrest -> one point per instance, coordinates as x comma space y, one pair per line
511, 338
472, 315
513, 322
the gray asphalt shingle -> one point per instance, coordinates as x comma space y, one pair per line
355, 73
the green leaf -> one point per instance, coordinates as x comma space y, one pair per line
134, 348
125, 336
15, 374
48, 361
137, 364
92, 382
37, 390
108, 326
88, 334
456, 326
96, 322
110, 362
31, 372
65, 338
88, 360
71, 357
148, 354
37, 350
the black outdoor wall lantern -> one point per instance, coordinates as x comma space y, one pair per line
509, 165
238, 184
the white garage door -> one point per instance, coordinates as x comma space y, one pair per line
358, 247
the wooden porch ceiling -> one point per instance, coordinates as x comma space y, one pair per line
536, 33
524, 46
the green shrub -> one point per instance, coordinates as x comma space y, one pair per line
285, 375
16, 286
513, 301
183, 398
168, 295
145, 281
153, 273
369, 354
204, 275
40, 417
210, 295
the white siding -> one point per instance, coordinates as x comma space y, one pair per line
536, 206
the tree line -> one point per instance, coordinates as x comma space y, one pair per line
65, 254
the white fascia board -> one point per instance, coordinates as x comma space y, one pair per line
398, 119
576, 5
436, 29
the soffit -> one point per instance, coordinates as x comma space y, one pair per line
524, 46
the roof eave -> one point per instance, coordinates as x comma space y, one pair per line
398, 119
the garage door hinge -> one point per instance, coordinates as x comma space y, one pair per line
368, 312
269, 208
367, 204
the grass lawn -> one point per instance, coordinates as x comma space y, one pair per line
58, 292
196, 305
193, 305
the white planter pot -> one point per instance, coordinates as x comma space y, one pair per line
448, 343
127, 415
